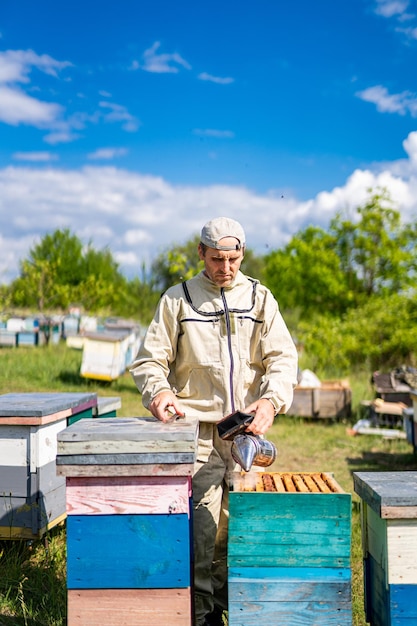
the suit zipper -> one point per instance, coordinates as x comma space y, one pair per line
229, 344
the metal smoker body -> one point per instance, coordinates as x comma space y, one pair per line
247, 449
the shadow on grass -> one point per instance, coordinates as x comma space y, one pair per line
71, 378
20, 621
125, 387
76, 380
382, 462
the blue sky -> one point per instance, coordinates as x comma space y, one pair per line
133, 123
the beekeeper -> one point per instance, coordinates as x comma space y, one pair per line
216, 344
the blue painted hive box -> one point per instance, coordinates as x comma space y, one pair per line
389, 540
289, 550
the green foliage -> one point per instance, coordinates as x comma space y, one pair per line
177, 264
306, 275
377, 253
59, 272
381, 332
329, 272
139, 300
253, 265
33, 581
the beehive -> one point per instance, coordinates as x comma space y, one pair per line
32, 496
289, 550
129, 523
389, 540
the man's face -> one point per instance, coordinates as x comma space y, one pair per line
221, 266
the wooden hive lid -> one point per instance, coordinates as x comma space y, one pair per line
127, 441
128, 429
389, 494
36, 408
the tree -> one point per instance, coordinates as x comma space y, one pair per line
332, 271
176, 264
37, 287
140, 299
63, 252
377, 253
306, 275
379, 334
59, 271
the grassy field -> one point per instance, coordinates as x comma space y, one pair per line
32, 574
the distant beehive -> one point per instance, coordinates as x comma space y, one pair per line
289, 550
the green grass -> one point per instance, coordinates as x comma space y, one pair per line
32, 574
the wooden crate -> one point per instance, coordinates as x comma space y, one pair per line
332, 399
129, 529
389, 541
289, 550
32, 496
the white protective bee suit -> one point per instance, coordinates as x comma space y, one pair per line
219, 349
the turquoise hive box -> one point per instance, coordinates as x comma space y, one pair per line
289, 550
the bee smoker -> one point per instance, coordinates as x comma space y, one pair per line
247, 449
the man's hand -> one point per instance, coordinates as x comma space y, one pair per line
264, 416
164, 405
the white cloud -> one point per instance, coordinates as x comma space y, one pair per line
139, 216
390, 8
401, 103
62, 136
161, 63
138, 236
16, 108
119, 113
212, 132
15, 65
107, 153
216, 79
35, 157
410, 33
410, 146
